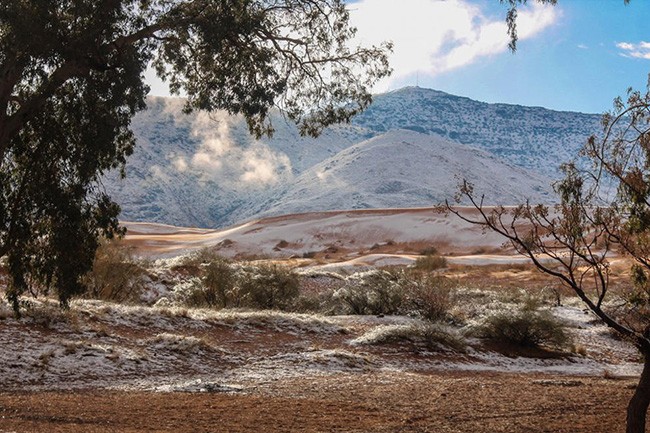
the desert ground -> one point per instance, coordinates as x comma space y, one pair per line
159, 365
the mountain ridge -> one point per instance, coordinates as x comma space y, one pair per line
205, 169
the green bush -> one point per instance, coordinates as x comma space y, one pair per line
269, 287
373, 292
216, 288
527, 327
223, 285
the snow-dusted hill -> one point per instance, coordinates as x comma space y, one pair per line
205, 170
530, 137
403, 168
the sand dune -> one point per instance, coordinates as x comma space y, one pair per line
338, 234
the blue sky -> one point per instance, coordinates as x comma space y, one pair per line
577, 56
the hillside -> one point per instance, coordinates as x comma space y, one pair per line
530, 137
403, 168
205, 170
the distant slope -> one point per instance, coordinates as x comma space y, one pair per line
530, 137
407, 169
205, 170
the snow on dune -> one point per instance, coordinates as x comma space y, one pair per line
298, 234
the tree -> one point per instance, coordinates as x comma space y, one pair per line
71, 79
604, 209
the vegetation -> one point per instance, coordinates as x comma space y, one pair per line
432, 336
216, 288
72, 78
226, 285
527, 327
430, 263
115, 276
373, 292
268, 287
429, 297
382, 292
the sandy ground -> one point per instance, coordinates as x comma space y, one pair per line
110, 368
384, 402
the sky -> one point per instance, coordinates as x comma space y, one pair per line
576, 56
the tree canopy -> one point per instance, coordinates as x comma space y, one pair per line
72, 78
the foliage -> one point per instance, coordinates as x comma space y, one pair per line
269, 287
115, 275
383, 292
225, 285
431, 335
373, 292
511, 18
573, 240
605, 208
429, 251
429, 297
216, 286
527, 327
430, 263
72, 78
200, 257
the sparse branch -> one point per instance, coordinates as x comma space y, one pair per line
535, 248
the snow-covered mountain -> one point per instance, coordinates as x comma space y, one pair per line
410, 148
404, 168
530, 137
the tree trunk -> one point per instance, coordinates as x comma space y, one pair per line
638, 406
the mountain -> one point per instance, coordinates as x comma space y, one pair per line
530, 137
409, 148
404, 168
205, 170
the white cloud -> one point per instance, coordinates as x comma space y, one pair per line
640, 50
220, 158
433, 36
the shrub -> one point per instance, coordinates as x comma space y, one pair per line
429, 297
430, 263
270, 287
218, 284
223, 285
432, 336
115, 275
429, 251
179, 343
372, 292
527, 327
199, 257
192, 264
